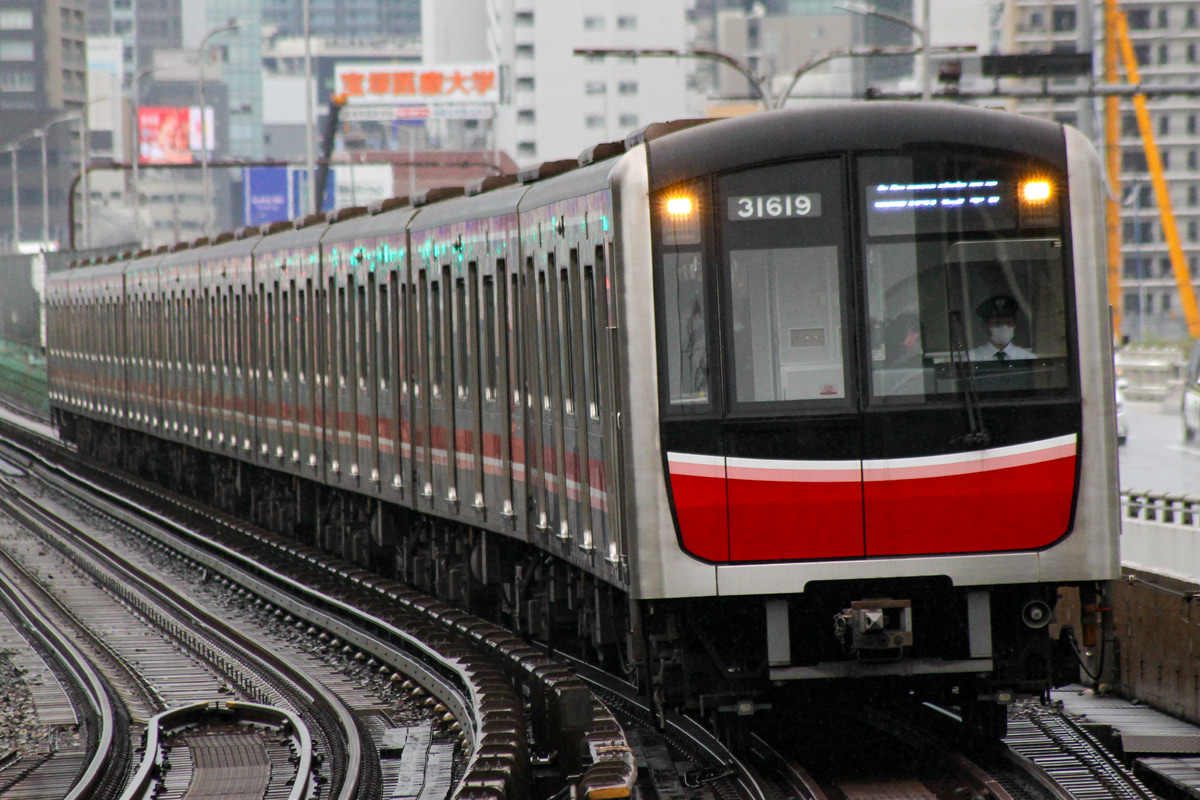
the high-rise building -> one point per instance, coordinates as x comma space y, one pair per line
361, 21
1166, 41
43, 81
554, 103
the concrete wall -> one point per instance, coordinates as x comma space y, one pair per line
1158, 633
1156, 608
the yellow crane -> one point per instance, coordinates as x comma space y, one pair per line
1117, 33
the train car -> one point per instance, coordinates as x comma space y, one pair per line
811, 397
844, 463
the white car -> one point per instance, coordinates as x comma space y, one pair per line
1190, 408
1122, 425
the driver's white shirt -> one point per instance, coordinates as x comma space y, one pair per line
987, 352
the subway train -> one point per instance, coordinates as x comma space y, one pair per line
741, 408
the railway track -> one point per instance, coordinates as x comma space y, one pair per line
681, 759
462, 670
234, 660
1044, 741
88, 765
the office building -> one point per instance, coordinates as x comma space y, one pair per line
43, 70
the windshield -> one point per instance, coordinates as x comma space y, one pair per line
965, 278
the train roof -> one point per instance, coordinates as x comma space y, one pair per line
382, 223
793, 133
233, 247
289, 235
497, 202
575, 183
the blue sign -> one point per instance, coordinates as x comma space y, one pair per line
300, 191
266, 195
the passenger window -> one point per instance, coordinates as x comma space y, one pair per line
383, 335
302, 334
239, 351
491, 356
591, 338
515, 331
271, 328
286, 319
566, 307
404, 362
339, 330
546, 340
365, 345
435, 338
684, 335
462, 359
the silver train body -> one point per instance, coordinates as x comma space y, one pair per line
478, 393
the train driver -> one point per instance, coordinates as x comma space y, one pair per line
998, 314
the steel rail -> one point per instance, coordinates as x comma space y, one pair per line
214, 629
83, 673
685, 728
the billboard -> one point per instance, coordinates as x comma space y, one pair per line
362, 184
374, 83
274, 194
265, 195
171, 135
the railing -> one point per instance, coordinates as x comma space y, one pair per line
1150, 374
1161, 533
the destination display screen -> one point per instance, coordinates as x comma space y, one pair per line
912, 207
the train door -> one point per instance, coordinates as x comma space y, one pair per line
466, 476
592, 331
387, 390
348, 389
327, 308
243, 384
375, 369
289, 364
152, 361
158, 378
442, 394
423, 338
131, 311
596, 327
394, 387
365, 444
538, 403
335, 374
196, 366
793, 437
256, 298
766, 459
268, 322
568, 457
209, 379
220, 406
511, 417
306, 456
496, 370
175, 345
230, 399
152, 374
185, 376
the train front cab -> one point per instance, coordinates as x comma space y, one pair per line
837, 447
